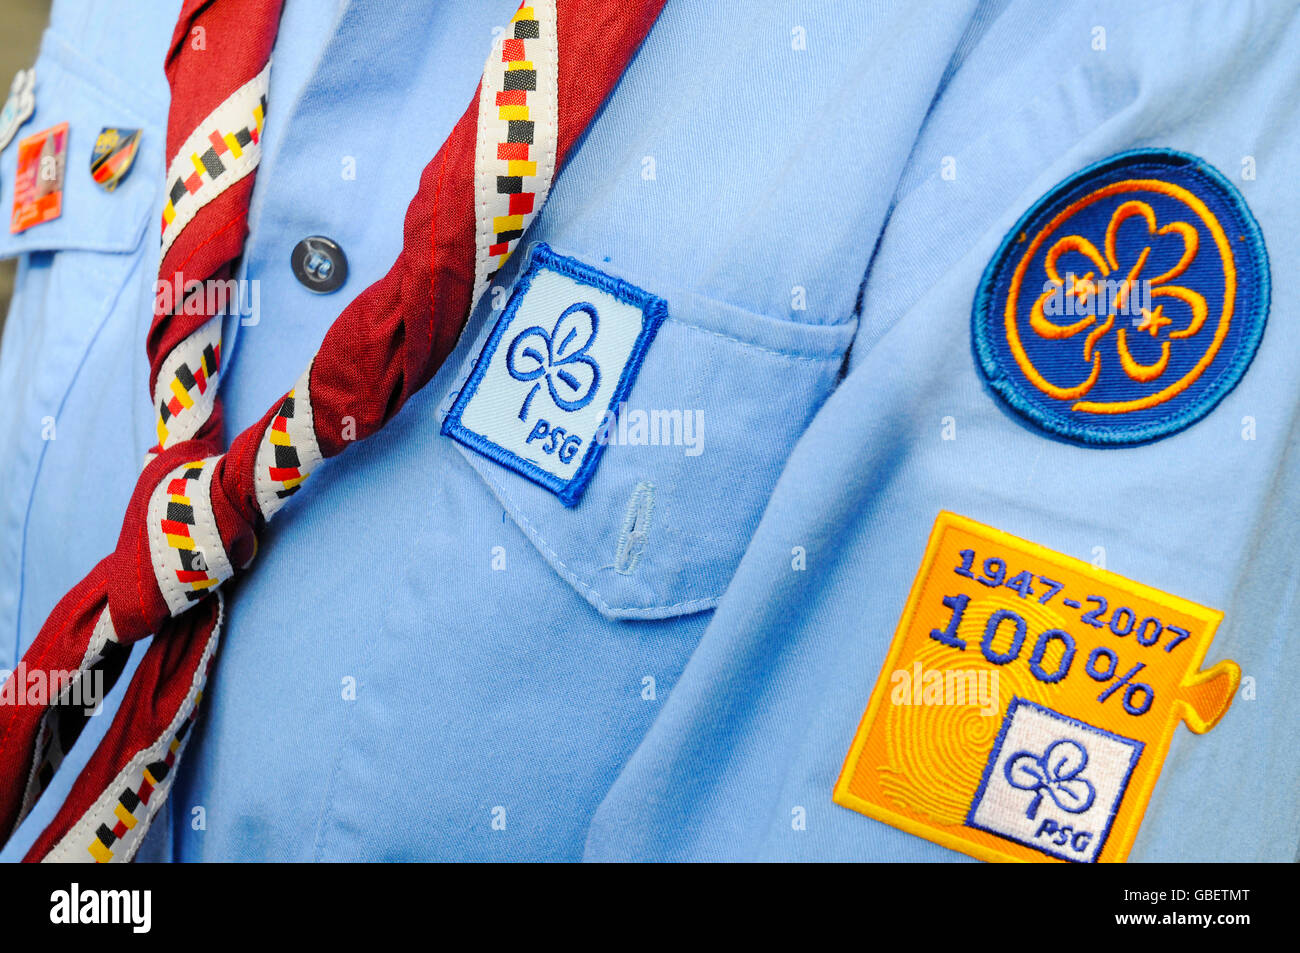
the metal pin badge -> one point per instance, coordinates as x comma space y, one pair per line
38, 178
19, 106
113, 156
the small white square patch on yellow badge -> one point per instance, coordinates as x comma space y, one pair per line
1028, 700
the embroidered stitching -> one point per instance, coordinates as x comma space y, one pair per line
288, 452
1091, 713
197, 172
787, 355
592, 595
186, 389
150, 772
62, 723
636, 527
653, 311
1127, 413
518, 113
1060, 773
184, 542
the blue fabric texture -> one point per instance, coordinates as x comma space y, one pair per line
433, 657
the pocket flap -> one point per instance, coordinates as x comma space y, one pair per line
690, 455
70, 88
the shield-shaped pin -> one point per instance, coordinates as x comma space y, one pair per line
114, 153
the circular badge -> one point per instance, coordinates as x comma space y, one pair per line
1126, 302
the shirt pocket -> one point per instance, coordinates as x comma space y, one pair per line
701, 438
74, 89
74, 334
73, 269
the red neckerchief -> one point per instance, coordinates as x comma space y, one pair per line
195, 513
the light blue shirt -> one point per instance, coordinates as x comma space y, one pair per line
433, 658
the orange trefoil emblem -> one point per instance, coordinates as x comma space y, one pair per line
1090, 297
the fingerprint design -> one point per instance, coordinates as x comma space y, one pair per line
935, 754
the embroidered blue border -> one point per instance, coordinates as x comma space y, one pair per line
653, 312
1254, 288
1016, 702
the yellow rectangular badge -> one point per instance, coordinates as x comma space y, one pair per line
1028, 701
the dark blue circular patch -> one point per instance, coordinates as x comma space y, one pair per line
1127, 302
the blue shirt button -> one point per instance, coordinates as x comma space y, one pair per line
319, 264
